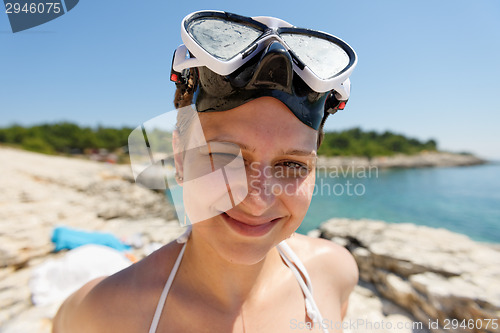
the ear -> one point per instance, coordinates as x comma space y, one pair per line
178, 157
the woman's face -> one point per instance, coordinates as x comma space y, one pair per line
279, 156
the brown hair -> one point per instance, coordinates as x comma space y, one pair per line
184, 97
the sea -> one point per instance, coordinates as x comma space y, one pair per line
461, 199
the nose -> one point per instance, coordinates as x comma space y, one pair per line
261, 195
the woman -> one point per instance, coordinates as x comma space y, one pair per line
266, 88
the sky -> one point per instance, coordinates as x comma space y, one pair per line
426, 69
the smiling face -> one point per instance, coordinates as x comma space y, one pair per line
279, 154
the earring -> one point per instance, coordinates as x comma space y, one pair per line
179, 178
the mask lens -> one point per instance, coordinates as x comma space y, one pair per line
222, 39
323, 57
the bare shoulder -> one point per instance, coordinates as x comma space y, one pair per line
327, 262
123, 302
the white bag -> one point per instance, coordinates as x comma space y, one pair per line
56, 279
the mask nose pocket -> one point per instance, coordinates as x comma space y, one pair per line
274, 70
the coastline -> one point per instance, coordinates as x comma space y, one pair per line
421, 160
42, 192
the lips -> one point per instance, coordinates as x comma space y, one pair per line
249, 228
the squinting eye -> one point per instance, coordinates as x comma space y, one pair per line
221, 159
294, 165
291, 169
223, 155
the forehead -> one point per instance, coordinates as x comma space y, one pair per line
263, 123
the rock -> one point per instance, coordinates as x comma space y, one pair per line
14, 294
435, 274
314, 233
341, 162
369, 312
41, 192
34, 319
364, 260
398, 289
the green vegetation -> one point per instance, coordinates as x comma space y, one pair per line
69, 138
64, 138
355, 142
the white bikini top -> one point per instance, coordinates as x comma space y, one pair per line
291, 260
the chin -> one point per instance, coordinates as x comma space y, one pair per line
237, 248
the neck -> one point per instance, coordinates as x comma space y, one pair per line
225, 284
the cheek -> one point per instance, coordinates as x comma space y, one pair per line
205, 192
206, 197
297, 195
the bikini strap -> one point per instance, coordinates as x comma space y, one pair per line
185, 236
161, 302
293, 262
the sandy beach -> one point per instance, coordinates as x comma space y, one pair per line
40, 192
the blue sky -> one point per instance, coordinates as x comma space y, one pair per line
427, 69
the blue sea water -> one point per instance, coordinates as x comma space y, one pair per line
461, 199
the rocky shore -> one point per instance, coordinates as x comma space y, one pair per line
409, 274
421, 160
40, 192
433, 275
